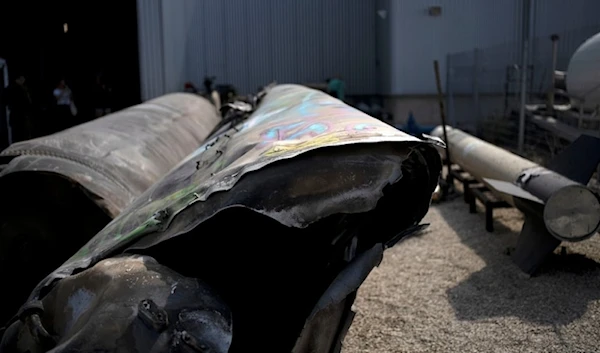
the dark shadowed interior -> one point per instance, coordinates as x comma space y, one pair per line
75, 40
44, 221
272, 275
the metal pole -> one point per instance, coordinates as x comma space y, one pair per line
523, 97
436, 68
528, 8
449, 95
476, 70
6, 83
554, 39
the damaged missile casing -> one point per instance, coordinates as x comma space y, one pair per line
568, 210
283, 216
483, 160
60, 190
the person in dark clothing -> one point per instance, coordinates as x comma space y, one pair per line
102, 97
336, 87
190, 88
20, 106
208, 83
66, 111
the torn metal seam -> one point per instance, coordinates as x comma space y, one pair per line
530, 173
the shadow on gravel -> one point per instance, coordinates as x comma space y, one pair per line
557, 295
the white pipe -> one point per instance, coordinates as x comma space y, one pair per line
484, 160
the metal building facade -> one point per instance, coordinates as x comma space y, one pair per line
150, 48
574, 21
418, 38
251, 43
378, 46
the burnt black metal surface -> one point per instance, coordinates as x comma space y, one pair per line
579, 160
284, 215
149, 305
60, 190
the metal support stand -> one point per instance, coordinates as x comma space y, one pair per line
449, 184
490, 202
465, 178
535, 243
473, 191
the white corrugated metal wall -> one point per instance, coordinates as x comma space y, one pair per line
251, 43
383, 46
152, 79
417, 38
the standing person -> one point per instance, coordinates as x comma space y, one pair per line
190, 88
20, 106
336, 87
65, 107
102, 92
208, 83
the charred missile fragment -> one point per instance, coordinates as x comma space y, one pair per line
281, 216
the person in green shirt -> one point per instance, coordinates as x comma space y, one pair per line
335, 87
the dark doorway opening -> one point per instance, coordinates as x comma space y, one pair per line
77, 40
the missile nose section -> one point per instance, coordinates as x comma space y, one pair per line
572, 213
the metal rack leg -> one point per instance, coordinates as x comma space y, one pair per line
489, 217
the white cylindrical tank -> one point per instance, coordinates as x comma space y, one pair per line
583, 73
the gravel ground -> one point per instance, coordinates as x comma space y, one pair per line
454, 289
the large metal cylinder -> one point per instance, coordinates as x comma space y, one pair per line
571, 211
60, 190
583, 73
